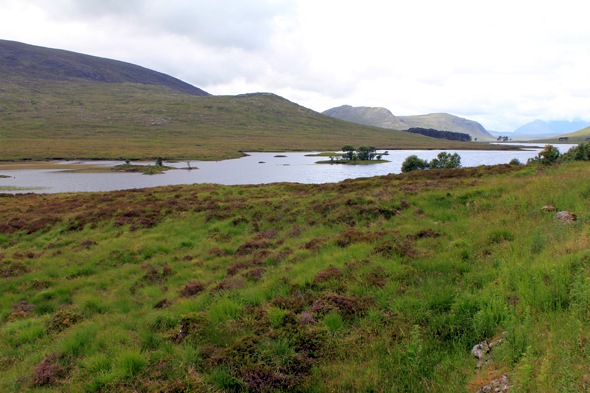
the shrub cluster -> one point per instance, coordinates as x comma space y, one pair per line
442, 161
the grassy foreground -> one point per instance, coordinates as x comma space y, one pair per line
381, 284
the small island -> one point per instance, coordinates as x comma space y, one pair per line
156, 169
364, 155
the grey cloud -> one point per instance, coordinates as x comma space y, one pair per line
248, 25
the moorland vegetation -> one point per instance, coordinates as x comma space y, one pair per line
379, 284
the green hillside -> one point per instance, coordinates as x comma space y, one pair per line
60, 104
580, 136
80, 119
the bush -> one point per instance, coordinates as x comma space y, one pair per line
548, 155
413, 162
445, 160
578, 153
515, 161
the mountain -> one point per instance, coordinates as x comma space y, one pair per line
446, 122
377, 117
537, 127
541, 129
39, 63
381, 117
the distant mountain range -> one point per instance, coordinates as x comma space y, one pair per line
381, 117
39, 63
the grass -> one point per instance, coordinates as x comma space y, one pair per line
379, 284
15, 188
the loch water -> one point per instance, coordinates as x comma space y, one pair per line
256, 168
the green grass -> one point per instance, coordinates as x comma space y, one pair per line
15, 188
379, 284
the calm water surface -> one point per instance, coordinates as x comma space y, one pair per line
257, 168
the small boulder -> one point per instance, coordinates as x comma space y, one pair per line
480, 350
549, 208
565, 217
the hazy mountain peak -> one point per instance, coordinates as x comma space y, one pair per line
536, 127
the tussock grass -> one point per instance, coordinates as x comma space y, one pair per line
380, 284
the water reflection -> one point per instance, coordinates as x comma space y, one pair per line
294, 167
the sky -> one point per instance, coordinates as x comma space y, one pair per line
503, 63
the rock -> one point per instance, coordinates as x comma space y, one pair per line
565, 217
549, 208
497, 385
480, 350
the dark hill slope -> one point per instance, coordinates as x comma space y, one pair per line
35, 62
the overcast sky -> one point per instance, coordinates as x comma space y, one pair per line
503, 63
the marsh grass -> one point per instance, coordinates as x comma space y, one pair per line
379, 284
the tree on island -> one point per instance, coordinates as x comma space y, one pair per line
348, 152
363, 153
